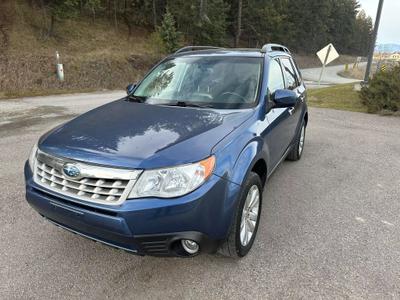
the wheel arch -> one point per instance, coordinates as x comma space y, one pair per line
306, 118
260, 168
251, 159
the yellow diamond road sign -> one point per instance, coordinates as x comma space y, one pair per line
327, 54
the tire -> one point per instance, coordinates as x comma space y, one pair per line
298, 146
236, 245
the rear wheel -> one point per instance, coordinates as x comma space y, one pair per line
298, 146
247, 217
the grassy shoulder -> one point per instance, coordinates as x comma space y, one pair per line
341, 97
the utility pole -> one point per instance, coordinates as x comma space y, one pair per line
373, 42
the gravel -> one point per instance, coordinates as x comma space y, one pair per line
330, 224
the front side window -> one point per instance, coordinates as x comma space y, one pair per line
218, 82
290, 74
275, 78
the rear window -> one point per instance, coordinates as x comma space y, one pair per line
292, 81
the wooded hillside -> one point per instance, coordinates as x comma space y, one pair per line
303, 25
105, 44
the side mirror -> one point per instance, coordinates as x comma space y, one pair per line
284, 98
130, 88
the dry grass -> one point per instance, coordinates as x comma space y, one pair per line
95, 56
359, 73
353, 73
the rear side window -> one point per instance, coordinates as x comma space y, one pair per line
296, 68
292, 81
275, 78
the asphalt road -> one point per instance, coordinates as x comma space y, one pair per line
330, 223
330, 76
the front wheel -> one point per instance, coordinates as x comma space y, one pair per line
247, 217
298, 146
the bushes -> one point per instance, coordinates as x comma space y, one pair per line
383, 92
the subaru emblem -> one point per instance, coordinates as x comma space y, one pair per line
71, 170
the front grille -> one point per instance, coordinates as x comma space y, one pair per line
95, 184
96, 189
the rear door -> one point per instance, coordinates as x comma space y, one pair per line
293, 82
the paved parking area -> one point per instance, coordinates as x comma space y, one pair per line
330, 223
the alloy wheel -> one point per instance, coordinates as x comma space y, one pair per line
250, 212
302, 138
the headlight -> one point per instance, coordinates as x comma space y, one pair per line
173, 182
32, 156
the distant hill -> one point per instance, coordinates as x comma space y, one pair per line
388, 48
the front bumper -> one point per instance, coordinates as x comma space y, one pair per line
143, 226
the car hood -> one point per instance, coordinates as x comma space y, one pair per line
136, 135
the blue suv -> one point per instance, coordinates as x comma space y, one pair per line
178, 166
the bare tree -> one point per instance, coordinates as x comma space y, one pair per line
115, 14
154, 14
203, 12
201, 8
126, 16
239, 23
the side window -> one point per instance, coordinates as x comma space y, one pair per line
292, 81
275, 78
296, 68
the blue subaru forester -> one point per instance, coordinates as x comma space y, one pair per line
178, 166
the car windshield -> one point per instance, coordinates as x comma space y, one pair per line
218, 82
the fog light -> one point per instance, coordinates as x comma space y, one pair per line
190, 247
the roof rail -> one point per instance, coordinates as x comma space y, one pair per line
194, 48
274, 47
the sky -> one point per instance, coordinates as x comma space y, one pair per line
389, 29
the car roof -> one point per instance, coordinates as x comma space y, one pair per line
231, 52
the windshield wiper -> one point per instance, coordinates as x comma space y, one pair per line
187, 104
138, 99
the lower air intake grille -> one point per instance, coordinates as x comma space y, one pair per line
155, 247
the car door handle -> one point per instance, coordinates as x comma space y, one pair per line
302, 98
291, 110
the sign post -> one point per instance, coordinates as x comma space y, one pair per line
59, 67
357, 62
326, 56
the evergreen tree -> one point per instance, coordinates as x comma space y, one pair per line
92, 6
342, 24
303, 25
264, 22
310, 20
60, 9
203, 23
362, 37
168, 33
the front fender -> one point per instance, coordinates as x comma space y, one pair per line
246, 160
240, 170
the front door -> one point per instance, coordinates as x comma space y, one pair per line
278, 135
